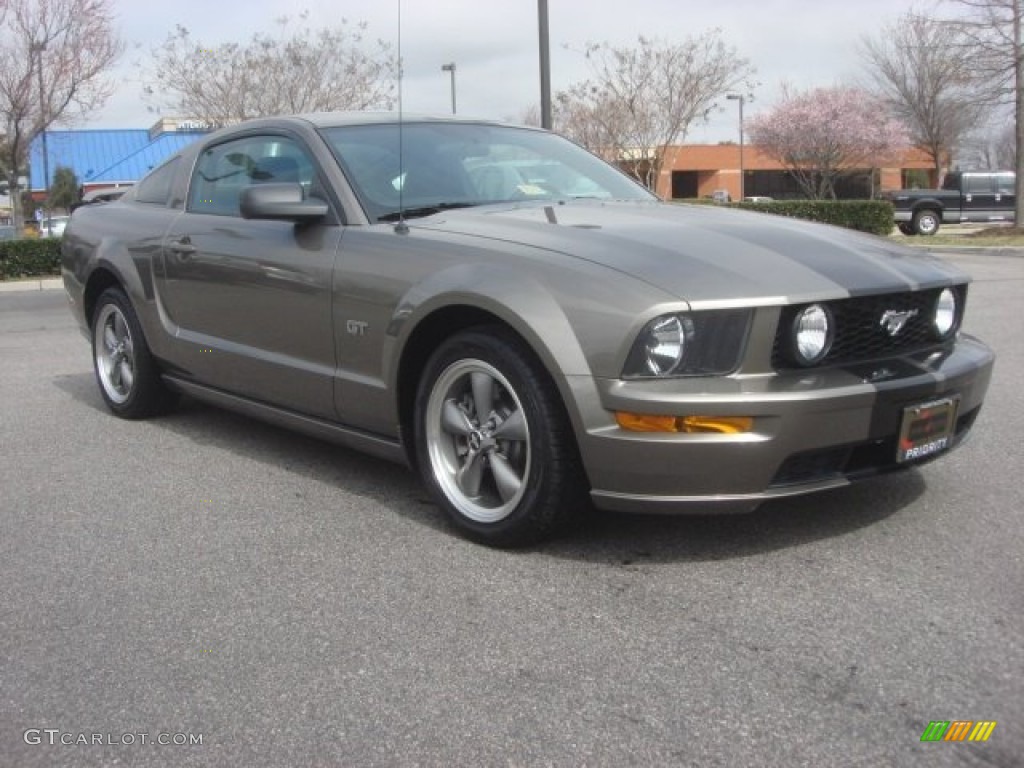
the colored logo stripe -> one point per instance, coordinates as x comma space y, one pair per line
958, 730
982, 730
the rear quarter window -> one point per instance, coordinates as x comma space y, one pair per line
155, 189
978, 185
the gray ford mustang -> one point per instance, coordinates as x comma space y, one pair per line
519, 321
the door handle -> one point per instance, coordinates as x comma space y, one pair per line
182, 247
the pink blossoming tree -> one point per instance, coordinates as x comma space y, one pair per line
825, 133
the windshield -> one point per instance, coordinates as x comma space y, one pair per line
447, 165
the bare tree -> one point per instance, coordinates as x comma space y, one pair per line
54, 55
600, 125
822, 134
642, 99
990, 31
923, 75
1005, 147
299, 70
990, 148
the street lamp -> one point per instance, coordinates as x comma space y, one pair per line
451, 68
545, 65
739, 97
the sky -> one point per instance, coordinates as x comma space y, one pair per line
494, 44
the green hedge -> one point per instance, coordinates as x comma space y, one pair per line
874, 216
29, 258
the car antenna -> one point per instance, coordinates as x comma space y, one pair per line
401, 228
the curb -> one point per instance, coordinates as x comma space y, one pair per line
43, 284
991, 250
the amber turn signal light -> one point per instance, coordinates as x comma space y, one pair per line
722, 425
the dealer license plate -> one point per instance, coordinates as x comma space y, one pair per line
927, 429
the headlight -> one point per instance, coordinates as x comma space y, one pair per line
689, 344
945, 313
664, 345
813, 331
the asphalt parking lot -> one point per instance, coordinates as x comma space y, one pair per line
291, 603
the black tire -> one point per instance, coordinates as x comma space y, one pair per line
512, 477
126, 373
926, 222
907, 228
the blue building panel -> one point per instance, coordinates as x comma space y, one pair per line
136, 165
105, 156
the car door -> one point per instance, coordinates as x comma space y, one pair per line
250, 300
979, 196
1006, 195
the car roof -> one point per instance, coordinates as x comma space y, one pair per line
339, 119
323, 120
335, 119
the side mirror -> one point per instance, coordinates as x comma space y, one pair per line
280, 201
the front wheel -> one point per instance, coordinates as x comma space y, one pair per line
493, 441
125, 371
926, 222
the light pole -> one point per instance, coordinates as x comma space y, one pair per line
545, 65
739, 97
38, 49
451, 69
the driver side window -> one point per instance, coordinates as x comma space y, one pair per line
224, 170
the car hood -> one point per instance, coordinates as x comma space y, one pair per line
703, 253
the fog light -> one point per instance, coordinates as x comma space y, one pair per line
812, 334
945, 313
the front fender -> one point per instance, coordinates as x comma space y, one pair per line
577, 320
519, 300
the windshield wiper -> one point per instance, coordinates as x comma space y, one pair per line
426, 210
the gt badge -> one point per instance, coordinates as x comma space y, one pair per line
357, 327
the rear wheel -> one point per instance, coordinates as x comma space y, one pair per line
926, 222
125, 371
493, 441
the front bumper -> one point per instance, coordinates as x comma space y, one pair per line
813, 430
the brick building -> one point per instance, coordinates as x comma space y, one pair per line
698, 170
